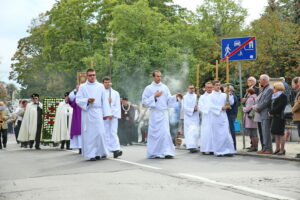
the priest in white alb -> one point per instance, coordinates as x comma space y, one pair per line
111, 125
62, 123
95, 107
191, 120
158, 98
222, 139
204, 106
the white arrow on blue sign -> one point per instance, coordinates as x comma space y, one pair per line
243, 48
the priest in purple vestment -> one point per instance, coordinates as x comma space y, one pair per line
76, 141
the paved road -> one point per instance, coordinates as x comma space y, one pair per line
55, 174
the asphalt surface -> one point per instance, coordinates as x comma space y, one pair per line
60, 174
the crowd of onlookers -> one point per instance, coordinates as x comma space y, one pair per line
266, 109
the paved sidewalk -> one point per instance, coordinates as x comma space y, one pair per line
292, 148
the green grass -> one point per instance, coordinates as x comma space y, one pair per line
240, 113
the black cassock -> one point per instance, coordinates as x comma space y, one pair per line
126, 125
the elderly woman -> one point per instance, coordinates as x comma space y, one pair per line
279, 101
251, 83
249, 124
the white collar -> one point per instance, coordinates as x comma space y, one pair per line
89, 83
156, 84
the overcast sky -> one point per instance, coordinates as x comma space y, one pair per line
16, 15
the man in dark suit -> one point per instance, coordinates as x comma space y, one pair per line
263, 107
232, 114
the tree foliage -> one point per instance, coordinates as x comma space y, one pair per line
152, 34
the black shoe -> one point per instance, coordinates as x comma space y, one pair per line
37, 148
97, 158
252, 150
4, 145
92, 159
228, 155
193, 150
117, 153
103, 157
31, 146
79, 152
297, 155
169, 157
221, 155
69, 148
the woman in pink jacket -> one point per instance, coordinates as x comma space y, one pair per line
250, 126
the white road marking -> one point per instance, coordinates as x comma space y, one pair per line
241, 188
206, 180
137, 164
202, 179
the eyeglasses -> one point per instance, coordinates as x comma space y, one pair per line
91, 75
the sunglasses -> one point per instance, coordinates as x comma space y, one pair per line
92, 75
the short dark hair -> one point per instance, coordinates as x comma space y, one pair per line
155, 71
67, 94
125, 99
208, 83
215, 82
35, 95
90, 70
106, 78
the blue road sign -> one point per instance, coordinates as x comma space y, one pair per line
239, 48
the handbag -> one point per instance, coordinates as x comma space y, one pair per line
251, 114
287, 113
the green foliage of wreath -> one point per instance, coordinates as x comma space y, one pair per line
50, 105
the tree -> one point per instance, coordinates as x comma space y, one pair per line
3, 91
11, 89
278, 46
223, 17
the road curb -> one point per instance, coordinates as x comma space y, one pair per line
239, 153
275, 157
